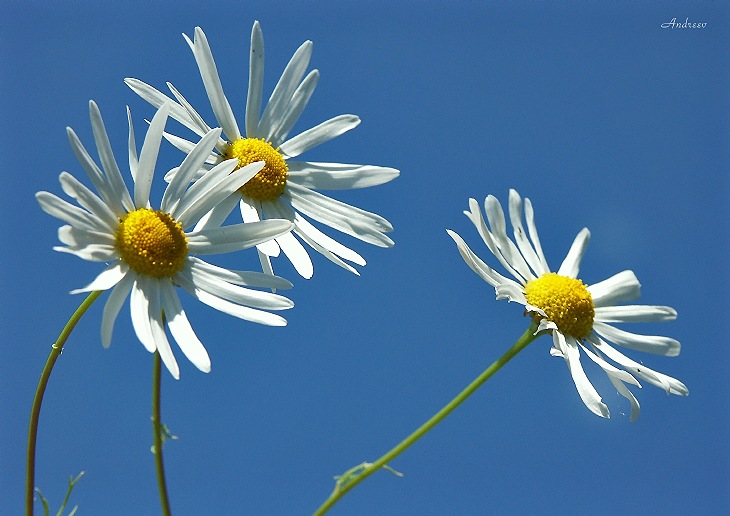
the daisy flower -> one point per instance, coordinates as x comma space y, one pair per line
578, 316
285, 188
150, 253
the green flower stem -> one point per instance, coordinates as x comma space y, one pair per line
359, 473
157, 435
56, 350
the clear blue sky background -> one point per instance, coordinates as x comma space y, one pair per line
596, 113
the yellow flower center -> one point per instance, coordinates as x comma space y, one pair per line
566, 301
152, 243
269, 183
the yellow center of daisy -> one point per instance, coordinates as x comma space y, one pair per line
269, 183
566, 301
151, 242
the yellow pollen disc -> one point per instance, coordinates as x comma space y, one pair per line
269, 183
566, 301
152, 243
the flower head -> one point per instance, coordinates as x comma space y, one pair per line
150, 253
284, 188
577, 315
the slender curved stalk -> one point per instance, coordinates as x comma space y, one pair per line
359, 473
56, 350
157, 437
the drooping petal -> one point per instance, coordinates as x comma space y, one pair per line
647, 343
250, 212
139, 305
569, 349
181, 329
112, 306
338, 176
619, 288
157, 324
292, 248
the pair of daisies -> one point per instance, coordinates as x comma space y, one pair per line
152, 251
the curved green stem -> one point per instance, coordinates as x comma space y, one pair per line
359, 473
56, 350
157, 437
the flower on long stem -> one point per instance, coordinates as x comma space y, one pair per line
284, 188
149, 251
580, 317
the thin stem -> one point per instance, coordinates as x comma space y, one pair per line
157, 437
359, 473
35, 413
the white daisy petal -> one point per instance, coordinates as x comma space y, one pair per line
87, 199
292, 248
158, 99
181, 329
242, 312
57, 207
190, 110
148, 157
220, 212
92, 253
318, 134
294, 109
203, 185
586, 391
338, 176
132, 146
646, 343
532, 230
255, 81
245, 278
250, 213
77, 238
571, 264
112, 306
528, 253
235, 237
157, 324
212, 83
108, 161
635, 313
139, 307
282, 94
619, 288
107, 279
498, 227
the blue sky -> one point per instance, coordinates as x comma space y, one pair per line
597, 114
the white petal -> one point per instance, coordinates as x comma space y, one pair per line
353, 221
203, 127
294, 108
292, 248
321, 133
338, 176
647, 343
113, 304
92, 253
255, 81
80, 238
242, 312
250, 212
158, 99
107, 279
619, 288
220, 212
246, 278
515, 215
235, 237
139, 304
587, 392
105, 217
181, 329
669, 384
111, 169
571, 264
148, 157
158, 328
532, 230
498, 227
211, 81
57, 207
206, 182
132, 146
635, 313
282, 94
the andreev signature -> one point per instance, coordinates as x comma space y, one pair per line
674, 24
